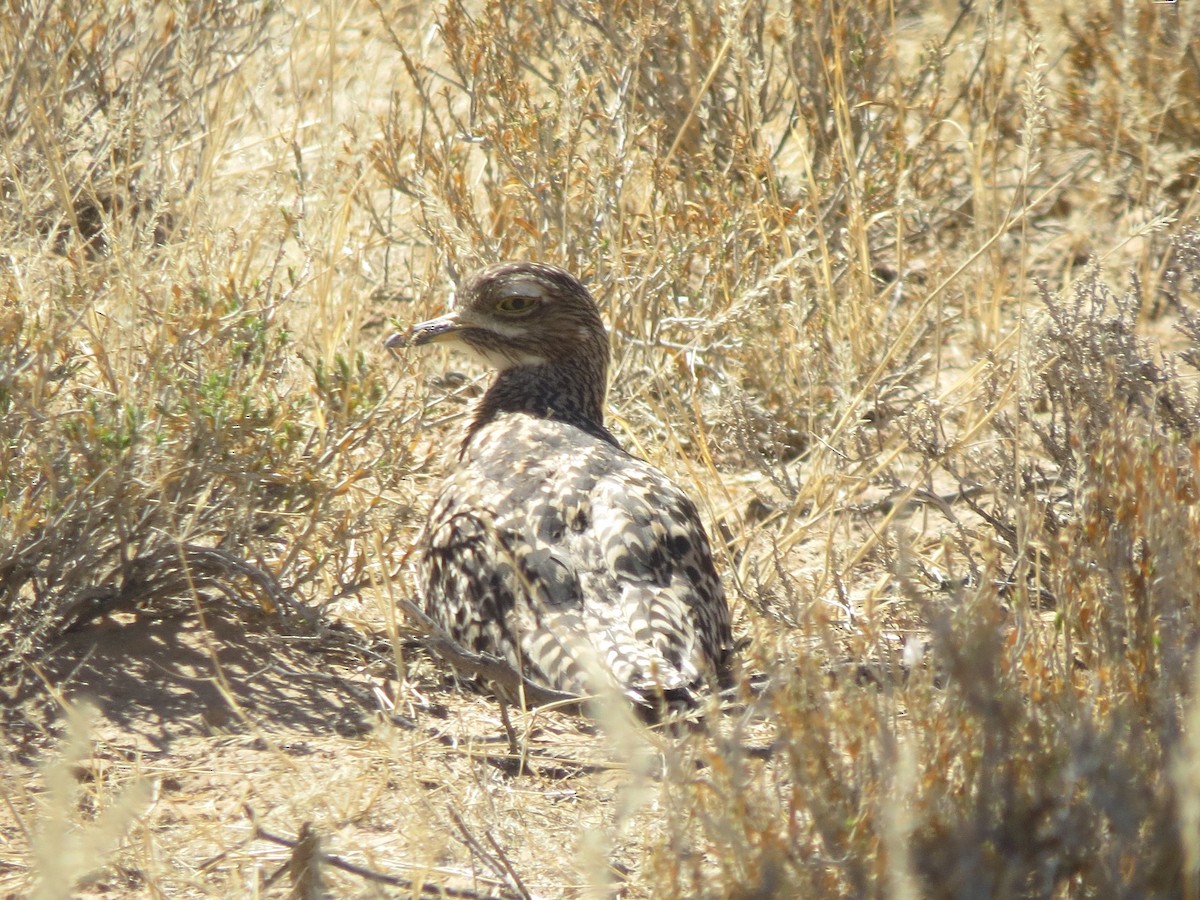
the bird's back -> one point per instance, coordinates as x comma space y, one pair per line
579, 564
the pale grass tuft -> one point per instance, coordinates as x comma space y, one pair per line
68, 844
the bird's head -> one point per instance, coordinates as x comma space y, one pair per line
518, 314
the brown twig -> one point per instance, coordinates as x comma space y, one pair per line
421, 887
501, 867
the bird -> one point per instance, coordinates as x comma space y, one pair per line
549, 546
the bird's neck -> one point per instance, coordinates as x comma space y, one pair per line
570, 394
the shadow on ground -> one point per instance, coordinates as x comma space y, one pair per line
156, 680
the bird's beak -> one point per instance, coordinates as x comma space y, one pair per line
444, 328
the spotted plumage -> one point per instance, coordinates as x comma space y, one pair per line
549, 545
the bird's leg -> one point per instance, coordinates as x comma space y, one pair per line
514, 743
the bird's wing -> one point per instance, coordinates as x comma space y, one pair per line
652, 597
578, 562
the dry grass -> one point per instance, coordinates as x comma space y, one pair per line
905, 295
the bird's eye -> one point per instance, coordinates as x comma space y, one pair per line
516, 305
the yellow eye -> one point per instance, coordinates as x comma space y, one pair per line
516, 305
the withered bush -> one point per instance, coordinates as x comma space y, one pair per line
159, 436
1035, 746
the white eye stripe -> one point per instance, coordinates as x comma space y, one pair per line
504, 359
529, 288
505, 329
